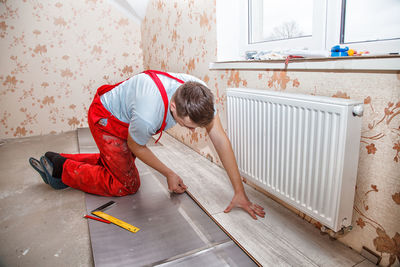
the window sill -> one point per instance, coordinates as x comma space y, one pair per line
380, 63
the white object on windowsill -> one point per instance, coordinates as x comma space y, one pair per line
283, 54
373, 62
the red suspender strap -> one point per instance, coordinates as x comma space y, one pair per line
160, 86
107, 87
165, 74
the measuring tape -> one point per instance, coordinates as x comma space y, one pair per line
116, 221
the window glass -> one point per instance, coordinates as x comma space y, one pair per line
371, 20
271, 20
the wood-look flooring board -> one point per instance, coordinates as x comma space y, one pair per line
86, 143
173, 229
280, 239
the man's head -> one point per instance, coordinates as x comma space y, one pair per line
195, 101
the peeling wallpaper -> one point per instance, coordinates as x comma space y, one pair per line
54, 55
180, 36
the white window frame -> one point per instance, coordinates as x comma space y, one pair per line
334, 16
316, 41
232, 32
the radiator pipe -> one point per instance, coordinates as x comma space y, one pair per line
334, 235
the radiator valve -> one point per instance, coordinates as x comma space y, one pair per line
342, 232
358, 110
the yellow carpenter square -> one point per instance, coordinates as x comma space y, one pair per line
116, 221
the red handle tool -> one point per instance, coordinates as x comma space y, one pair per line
97, 219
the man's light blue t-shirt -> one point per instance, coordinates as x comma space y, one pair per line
138, 101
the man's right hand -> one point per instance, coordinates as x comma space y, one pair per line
175, 183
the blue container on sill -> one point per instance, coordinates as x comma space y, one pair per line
337, 51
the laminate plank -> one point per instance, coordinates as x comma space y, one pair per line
86, 143
365, 263
173, 230
205, 180
269, 248
210, 185
301, 235
281, 239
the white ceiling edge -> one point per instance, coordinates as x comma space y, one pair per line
132, 9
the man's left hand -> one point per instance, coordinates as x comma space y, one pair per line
241, 201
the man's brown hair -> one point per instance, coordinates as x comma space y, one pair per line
195, 100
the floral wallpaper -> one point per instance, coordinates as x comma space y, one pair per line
54, 55
180, 36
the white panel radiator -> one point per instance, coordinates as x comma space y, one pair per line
303, 149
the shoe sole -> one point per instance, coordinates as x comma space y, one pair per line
56, 183
39, 168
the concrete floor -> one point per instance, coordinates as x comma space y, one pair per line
40, 226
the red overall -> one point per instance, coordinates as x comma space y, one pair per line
112, 172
